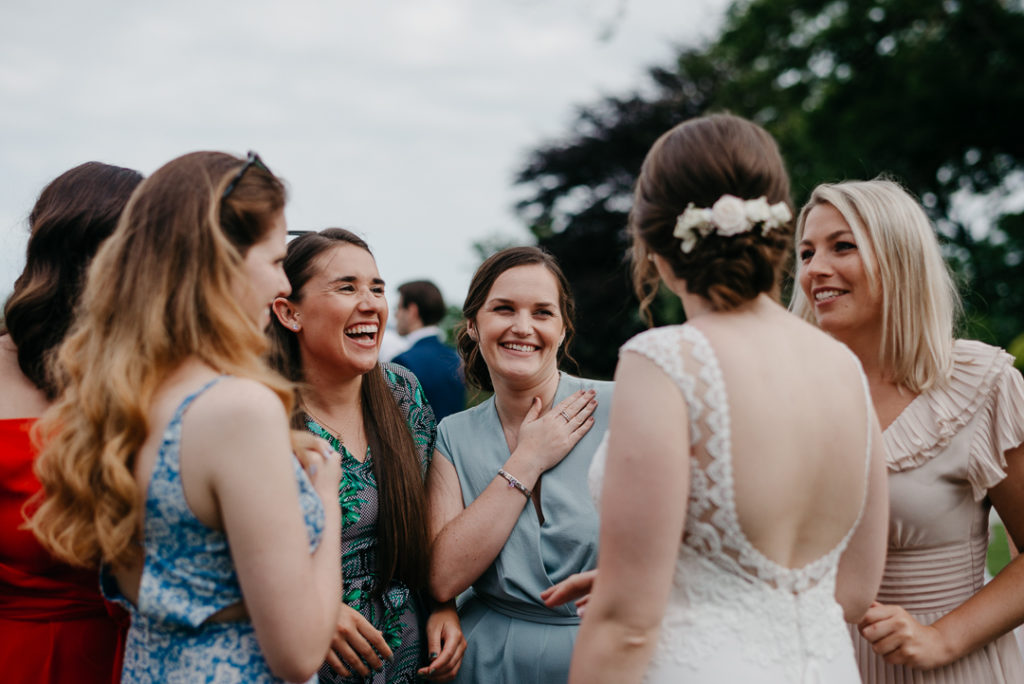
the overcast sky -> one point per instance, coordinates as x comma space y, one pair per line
404, 120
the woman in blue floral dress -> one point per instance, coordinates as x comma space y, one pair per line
327, 337
167, 456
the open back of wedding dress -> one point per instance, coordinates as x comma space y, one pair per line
734, 615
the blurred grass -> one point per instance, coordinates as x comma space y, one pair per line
998, 549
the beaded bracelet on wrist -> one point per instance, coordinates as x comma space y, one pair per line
514, 483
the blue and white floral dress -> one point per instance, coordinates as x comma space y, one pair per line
188, 576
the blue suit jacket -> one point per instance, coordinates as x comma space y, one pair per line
436, 366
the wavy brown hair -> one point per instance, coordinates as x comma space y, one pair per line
480, 286
74, 213
402, 522
161, 290
697, 162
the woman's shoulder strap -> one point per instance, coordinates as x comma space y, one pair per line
187, 401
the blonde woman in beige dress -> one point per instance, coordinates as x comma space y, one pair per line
871, 274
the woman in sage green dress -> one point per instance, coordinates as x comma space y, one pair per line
327, 338
499, 526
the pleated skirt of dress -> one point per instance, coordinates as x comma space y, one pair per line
997, 663
929, 583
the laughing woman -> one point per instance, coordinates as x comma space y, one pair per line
327, 337
495, 529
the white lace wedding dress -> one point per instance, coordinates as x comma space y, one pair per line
734, 615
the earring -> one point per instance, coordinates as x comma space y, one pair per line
295, 327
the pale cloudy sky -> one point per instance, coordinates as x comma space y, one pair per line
404, 120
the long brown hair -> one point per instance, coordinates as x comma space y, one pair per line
480, 286
402, 521
76, 212
161, 289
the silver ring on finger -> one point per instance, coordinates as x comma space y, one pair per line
562, 413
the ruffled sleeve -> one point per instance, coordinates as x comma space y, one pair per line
984, 391
1001, 428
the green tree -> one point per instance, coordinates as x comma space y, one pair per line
925, 91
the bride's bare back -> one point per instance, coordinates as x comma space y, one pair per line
799, 415
744, 489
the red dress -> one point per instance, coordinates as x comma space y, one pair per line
54, 625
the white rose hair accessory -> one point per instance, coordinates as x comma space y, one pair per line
730, 215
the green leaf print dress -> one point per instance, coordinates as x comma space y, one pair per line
398, 612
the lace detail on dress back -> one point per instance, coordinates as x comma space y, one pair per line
725, 590
712, 526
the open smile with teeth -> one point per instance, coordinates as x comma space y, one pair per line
515, 346
365, 331
827, 294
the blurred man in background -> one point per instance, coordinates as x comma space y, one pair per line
420, 308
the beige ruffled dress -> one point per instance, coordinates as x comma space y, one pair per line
944, 452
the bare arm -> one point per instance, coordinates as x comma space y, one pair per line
994, 610
291, 596
467, 539
862, 564
465, 545
643, 510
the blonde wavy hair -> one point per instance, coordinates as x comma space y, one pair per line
920, 302
161, 290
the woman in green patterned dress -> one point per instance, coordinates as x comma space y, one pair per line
327, 337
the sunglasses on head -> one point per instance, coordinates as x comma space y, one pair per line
252, 159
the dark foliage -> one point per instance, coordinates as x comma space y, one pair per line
925, 91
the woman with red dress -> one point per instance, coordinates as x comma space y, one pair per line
54, 625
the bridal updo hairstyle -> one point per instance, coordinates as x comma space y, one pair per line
480, 286
698, 162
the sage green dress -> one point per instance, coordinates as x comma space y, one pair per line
512, 636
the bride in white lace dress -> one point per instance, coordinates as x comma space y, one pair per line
743, 507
